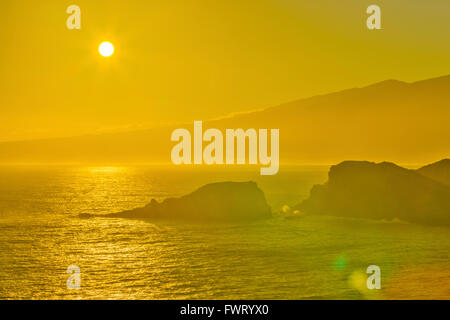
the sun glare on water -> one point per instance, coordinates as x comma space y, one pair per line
106, 49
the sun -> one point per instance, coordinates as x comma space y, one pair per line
106, 49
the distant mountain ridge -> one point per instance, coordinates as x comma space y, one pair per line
404, 122
384, 190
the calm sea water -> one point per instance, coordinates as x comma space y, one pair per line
305, 258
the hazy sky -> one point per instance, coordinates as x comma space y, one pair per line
184, 60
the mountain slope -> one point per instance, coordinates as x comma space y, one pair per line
439, 171
403, 122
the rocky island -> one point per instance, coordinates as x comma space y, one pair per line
224, 201
383, 191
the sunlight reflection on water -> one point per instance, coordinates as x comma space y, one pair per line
41, 235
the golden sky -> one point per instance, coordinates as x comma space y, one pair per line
176, 61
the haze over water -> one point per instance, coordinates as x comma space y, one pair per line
305, 258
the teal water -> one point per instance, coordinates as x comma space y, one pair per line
304, 258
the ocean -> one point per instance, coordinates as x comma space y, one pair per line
309, 257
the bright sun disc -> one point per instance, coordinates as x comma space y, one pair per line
106, 49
